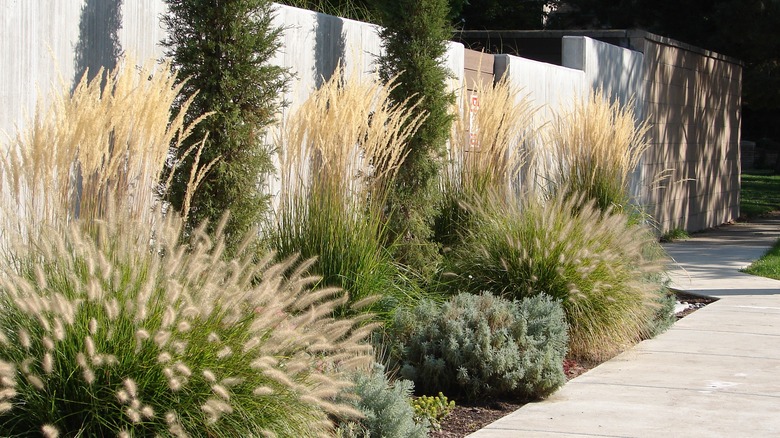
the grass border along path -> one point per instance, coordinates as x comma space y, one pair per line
768, 265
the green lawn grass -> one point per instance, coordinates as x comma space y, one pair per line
760, 194
768, 265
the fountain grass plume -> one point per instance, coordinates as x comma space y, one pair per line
126, 331
598, 264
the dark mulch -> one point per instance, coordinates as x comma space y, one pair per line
467, 418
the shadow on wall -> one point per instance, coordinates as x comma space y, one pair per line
98, 44
618, 73
693, 104
329, 47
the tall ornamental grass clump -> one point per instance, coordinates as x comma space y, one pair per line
595, 147
111, 326
486, 153
128, 332
339, 155
596, 263
483, 345
102, 143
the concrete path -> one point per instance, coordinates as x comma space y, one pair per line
715, 373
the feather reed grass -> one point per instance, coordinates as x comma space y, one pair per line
108, 139
491, 159
596, 146
339, 156
487, 151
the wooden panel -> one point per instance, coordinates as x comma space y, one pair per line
478, 67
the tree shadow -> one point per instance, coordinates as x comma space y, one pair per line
329, 47
98, 44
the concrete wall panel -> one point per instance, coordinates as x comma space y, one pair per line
694, 104
690, 98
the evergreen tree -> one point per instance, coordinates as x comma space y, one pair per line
222, 48
415, 36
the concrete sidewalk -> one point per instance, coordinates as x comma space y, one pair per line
715, 373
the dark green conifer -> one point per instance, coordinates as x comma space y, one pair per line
415, 36
223, 49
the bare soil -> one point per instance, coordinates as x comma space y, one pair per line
467, 418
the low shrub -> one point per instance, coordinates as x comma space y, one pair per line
127, 332
386, 407
664, 315
483, 345
433, 409
600, 267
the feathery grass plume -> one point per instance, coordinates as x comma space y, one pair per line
104, 141
595, 262
486, 153
596, 145
487, 143
127, 367
339, 154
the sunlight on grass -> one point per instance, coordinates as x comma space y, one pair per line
768, 265
760, 194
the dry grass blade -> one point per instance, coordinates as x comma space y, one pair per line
596, 146
101, 143
488, 146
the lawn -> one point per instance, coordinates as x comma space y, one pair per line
768, 265
760, 194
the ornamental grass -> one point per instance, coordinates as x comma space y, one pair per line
339, 154
116, 322
596, 263
596, 146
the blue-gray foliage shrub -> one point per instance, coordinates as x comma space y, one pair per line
483, 345
386, 407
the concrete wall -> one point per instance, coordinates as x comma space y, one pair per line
43, 40
552, 89
45, 44
615, 70
313, 44
690, 97
693, 101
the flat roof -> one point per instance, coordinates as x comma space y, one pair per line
631, 37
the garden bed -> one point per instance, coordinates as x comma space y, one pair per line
467, 418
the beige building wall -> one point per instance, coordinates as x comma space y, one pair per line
692, 104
